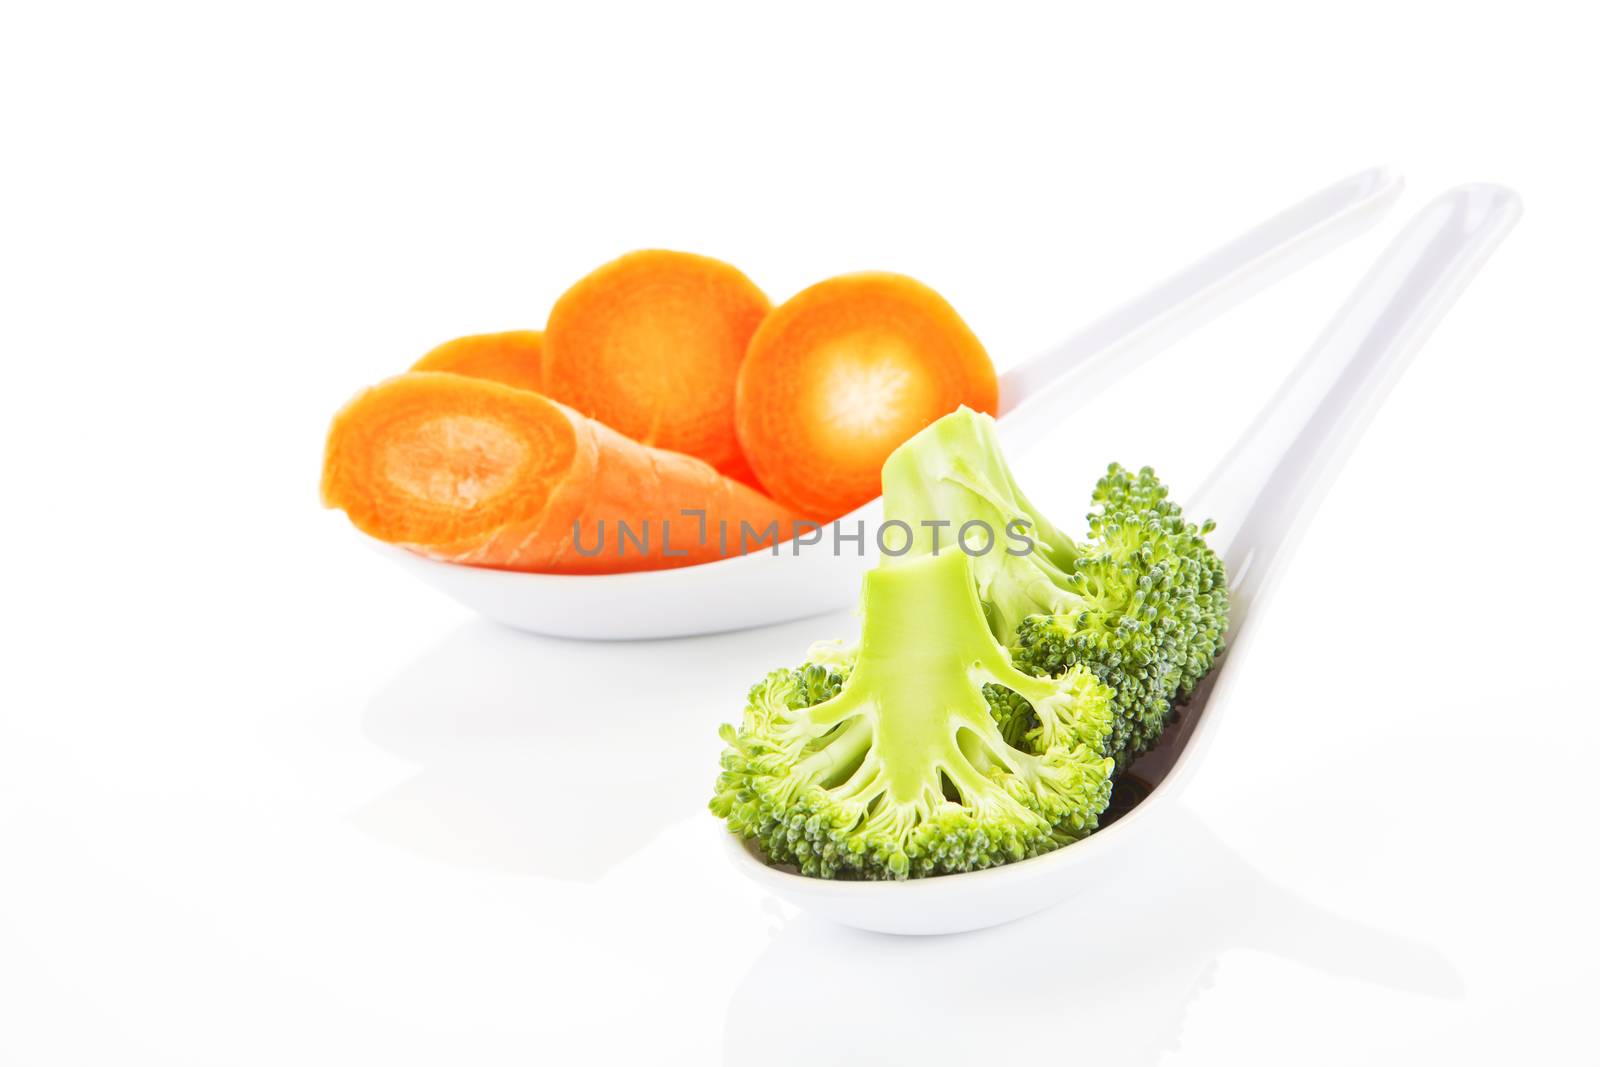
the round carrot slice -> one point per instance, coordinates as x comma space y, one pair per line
839, 376
511, 358
650, 344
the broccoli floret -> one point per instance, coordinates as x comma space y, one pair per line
1142, 602
1152, 608
1000, 681
894, 767
1012, 714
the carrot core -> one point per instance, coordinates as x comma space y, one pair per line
841, 375
454, 460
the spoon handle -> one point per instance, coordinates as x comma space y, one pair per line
1276, 472
1036, 394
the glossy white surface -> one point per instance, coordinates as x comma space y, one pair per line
264, 800
794, 581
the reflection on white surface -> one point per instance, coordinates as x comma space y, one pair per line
539, 756
586, 766
1110, 974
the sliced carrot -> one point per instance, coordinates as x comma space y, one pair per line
473, 471
650, 344
512, 357
841, 375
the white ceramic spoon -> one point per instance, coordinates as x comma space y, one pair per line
1262, 493
763, 588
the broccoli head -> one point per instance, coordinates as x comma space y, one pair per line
1150, 608
888, 762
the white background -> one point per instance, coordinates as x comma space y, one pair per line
264, 800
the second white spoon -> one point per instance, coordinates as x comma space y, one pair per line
1261, 493
796, 581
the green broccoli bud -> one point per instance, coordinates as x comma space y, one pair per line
1152, 609
895, 767
994, 692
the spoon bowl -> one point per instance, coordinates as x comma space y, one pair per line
957, 903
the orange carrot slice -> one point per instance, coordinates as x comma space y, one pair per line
473, 471
841, 375
650, 344
512, 357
